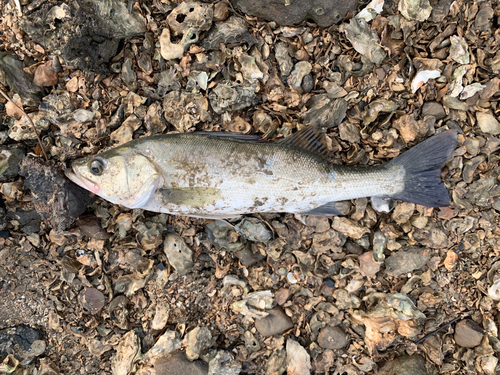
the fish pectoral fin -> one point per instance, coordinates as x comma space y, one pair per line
329, 209
189, 196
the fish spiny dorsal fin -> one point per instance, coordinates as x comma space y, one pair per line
311, 139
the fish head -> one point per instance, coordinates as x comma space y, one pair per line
126, 178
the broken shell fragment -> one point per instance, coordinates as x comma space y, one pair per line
422, 77
179, 255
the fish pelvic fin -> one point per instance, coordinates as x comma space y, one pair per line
328, 209
422, 166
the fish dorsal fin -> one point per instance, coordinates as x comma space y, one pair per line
309, 139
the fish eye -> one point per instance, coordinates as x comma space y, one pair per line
96, 167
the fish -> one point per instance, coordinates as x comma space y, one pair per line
221, 175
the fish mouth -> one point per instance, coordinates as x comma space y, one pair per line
80, 180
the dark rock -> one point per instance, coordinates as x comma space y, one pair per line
405, 365
232, 32
90, 226
176, 363
276, 323
433, 109
58, 201
85, 34
19, 81
406, 261
247, 257
333, 338
3, 219
228, 96
468, 333
324, 111
323, 12
10, 162
29, 220
22, 341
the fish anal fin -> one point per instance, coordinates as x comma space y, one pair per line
311, 139
329, 209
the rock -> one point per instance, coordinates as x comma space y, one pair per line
298, 359
454, 103
488, 123
301, 69
223, 236
333, 338
45, 75
179, 255
127, 352
349, 227
407, 126
276, 365
468, 333
323, 12
23, 342
58, 201
10, 162
254, 230
276, 323
403, 212
185, 110
232, 32
324, 111
403, 262
364, 40
248, 257
283, 57
29, 220
197, 341
405, 365
418, 10
229, 96
19, 81
433, 109
176, 363
224, 363
22, 129
367, 265
85, 35
92, 300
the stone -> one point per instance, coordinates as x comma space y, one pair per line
325, 112
179, 255
403, 262
176, 363
323, 12
197, 341
57, 200
10, 162
405, 365
488, 123
93, 300
333, 338
468, 333
433, 109
276, 323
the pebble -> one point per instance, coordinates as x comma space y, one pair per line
433, 109
254, 230
10, 162
197, 341
93, 300
298, 359
179, 255
276, 323
403, 262
468, 333
349, 227
333, 338
45, 75
224, 363
407, 365
488, 123
176, 363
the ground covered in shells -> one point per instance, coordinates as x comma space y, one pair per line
87, 287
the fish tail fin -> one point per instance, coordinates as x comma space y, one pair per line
422, 165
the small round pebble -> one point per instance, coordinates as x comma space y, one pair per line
333, 338
468, 333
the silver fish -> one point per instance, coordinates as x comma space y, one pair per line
221, 175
